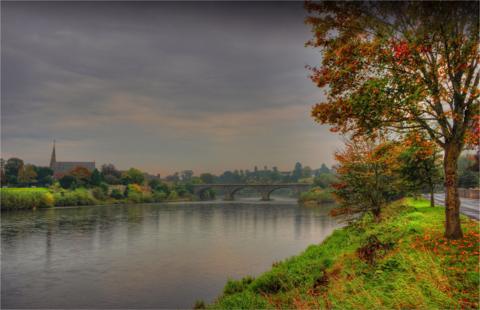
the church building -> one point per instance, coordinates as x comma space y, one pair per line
60, 168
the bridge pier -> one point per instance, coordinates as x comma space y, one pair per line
265, 196
228, 196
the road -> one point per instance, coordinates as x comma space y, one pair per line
469, 207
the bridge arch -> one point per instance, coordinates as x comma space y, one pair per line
230, 194
266, 194
200, 193
263, 189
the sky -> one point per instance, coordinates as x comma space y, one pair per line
161, 86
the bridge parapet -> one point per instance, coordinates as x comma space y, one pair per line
264, 189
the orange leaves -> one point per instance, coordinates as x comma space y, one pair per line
459, 259
401, 51
451, 251
366, 171
338, 186
330, 112
80, 173
472, 136
421, 64
423, 148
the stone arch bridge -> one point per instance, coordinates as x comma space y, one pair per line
264, 189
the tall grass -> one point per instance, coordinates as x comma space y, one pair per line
25, 198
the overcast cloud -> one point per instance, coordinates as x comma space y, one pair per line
160, 86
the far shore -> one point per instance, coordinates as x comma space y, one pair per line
176, 202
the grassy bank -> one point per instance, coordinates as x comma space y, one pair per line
32, 198
401, 262
25, 198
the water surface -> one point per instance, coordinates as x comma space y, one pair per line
147, 256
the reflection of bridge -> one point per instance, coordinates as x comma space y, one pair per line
264, 189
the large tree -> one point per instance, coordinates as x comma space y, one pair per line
44, 176
110, 174
12, 167
27, 175
401, 66
134, 176
82, 175
207, 178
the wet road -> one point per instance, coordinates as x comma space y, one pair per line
469, 207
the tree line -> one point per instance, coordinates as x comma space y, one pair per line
15, 173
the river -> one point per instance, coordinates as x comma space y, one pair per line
147, 256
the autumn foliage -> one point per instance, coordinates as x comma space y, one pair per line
401, 66
368, 178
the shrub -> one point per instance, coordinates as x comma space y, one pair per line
47, 200
181, 190
373, 249
133, 193
140, 198
98, 193
147, 197
173, 195
271, 283
199, 304
68, 182
134, 188
134, 197
316, 195
78, 197
104, 187
325, 180
208, 194
25, 198
116, 194
159, 196
234, 286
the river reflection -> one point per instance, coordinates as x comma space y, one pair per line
147, 256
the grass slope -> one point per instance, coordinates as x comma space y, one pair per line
401, 262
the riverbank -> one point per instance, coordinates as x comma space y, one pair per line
33, 198
44, 198
401, 262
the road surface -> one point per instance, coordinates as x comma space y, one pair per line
469, 207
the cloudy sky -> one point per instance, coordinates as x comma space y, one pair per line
160, 86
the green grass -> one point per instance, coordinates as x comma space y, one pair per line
25, 198
401, 262
32, 198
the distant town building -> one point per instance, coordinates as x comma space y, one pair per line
149, 177
60, 168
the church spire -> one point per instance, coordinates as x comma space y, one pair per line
53, 159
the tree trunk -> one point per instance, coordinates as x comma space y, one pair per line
453, 229
376, 214
432, 197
